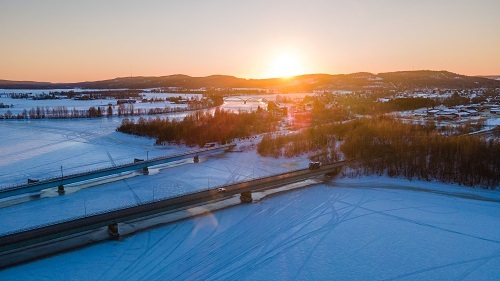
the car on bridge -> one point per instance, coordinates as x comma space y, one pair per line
211, 145
314, 165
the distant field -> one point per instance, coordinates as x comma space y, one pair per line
495, 77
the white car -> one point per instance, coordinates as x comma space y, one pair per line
221, 189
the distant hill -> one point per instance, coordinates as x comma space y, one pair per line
437, 79
6, 84
356, 81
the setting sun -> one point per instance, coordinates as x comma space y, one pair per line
285, 65
266, 140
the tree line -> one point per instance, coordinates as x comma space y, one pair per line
85, 95
59, 112
201, 127
396, 149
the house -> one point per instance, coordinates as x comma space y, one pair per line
462, 114
433, 112
125, 101
472, 112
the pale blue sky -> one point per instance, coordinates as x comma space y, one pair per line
56, 40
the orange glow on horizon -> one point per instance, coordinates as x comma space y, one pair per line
285, 65
201, 38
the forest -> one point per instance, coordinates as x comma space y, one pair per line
397, 149
201, 127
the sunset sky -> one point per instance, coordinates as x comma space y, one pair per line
69, 41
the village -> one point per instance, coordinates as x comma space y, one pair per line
481, 103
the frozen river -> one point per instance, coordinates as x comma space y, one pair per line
350, 229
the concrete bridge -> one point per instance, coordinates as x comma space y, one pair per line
244, 100
13, 245
38, 185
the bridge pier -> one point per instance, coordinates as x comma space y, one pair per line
246, 197
196, 159
113, 230
60, 189
32, 181
34, 185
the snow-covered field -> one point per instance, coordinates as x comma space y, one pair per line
38, 148
21, 104
349, 229
134, 188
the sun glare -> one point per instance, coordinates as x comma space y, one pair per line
285, 65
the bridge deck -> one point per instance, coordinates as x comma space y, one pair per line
73, 178
22, 238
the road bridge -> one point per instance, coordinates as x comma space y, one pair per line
16, 241
38, 185
244, 100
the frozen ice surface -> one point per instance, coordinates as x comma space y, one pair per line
133, 188
20, 104
38, 148
342, 230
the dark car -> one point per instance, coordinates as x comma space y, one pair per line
314, 165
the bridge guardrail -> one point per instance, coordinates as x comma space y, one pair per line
106, 169
153, 200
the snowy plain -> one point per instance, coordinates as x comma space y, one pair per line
347, 229
369, 228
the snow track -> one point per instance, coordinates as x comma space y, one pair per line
322, 232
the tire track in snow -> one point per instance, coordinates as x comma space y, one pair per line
141, 264
285, 244
209, 265
426, 224
109, 269
310, 234
482, 261
313, 249
192, 254
110, 158
160, 265
259, 262
304, 221
479, 264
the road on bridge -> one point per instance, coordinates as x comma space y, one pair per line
11, 242
73, 178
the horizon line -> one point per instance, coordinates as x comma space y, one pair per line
246, 78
